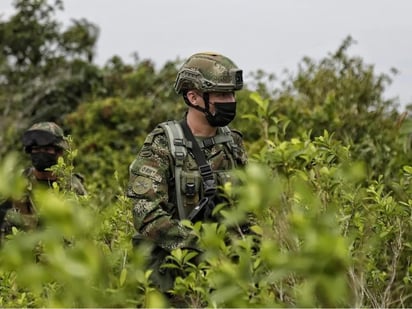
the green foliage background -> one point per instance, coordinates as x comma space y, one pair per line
328, 180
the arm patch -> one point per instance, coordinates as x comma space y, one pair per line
141, 185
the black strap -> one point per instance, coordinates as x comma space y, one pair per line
204, 168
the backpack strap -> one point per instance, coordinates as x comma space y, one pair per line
225, 134
178, 149
222, 137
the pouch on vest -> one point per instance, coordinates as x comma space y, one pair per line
190, 182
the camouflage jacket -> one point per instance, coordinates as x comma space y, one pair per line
22, 213
152, 186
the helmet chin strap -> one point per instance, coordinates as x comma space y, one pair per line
205, 97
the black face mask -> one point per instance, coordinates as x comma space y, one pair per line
224, 114
43, 160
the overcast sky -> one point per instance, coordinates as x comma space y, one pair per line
272, 35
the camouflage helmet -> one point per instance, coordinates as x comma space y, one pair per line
208, 72
44, 134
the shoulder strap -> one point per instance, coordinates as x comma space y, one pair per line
178, 149
224, 136
177, 143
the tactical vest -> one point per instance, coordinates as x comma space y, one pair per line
187, 179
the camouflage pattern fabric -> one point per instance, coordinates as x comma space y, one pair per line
209, 72
52, 128
151, 188
75, 184
22, 214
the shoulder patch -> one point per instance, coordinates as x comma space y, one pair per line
141, 185
150, 172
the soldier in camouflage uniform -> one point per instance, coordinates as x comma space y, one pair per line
165, 184
45, 143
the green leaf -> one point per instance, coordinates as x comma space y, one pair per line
123, 275
408, 169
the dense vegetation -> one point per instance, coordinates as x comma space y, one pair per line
329, 180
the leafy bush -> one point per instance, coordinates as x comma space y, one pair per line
328, 184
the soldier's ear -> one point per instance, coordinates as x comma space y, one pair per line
193, 97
